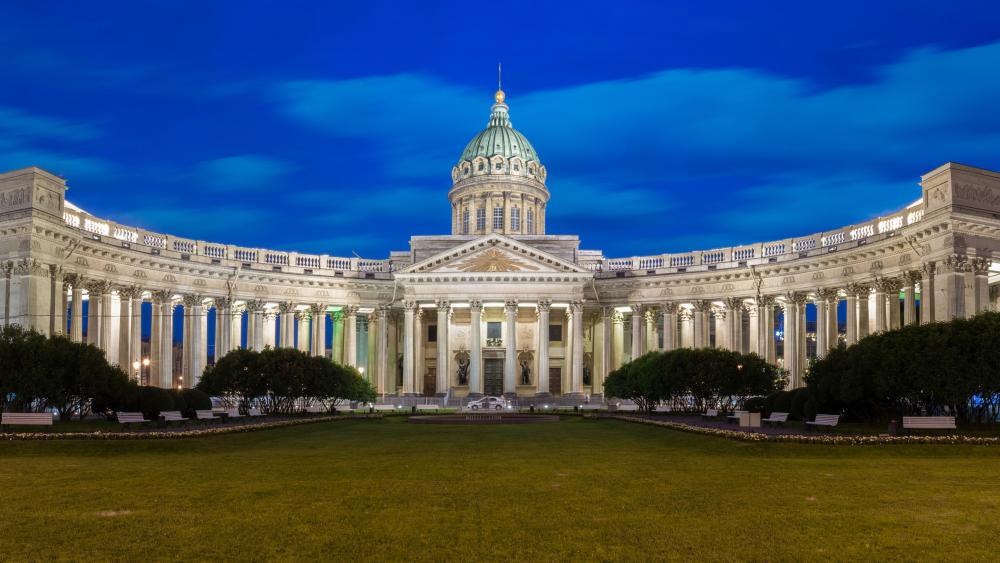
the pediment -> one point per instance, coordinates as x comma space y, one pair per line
494, 254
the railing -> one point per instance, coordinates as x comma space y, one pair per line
766, 250
157, 241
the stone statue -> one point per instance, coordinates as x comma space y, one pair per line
399, 371
463, 369
525, 372
588, 361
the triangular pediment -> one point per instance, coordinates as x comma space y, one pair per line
495, 254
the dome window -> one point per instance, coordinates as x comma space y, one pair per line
466, 170
499, 166
480, 166
516, 167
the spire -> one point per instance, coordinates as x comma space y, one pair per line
499, 118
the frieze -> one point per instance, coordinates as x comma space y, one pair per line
847, 271
976, 193
788, 280
14, 199
200, 282
170, 278
110, 268
876, 266
905, 259
82, 261
818, 276
141, 274
728, 287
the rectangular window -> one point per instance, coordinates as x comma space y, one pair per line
515, 219
432, 333
493, 334
555, 333
498, 218
531, 222
465, 222
481, 219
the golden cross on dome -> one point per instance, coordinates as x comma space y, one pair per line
499, 96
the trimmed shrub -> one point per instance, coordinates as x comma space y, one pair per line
810, 409
196, 400
151, 401
754, 404
798, 403
782, 402
179, 403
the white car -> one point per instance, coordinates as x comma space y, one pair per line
487, 403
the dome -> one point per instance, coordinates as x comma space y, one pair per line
499, 138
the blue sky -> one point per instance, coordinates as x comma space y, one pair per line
332, 128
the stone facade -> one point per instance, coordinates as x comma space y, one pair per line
497, 310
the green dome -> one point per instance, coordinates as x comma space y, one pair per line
500, 138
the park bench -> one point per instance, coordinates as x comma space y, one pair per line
172, 416
26, 419
735, 417
627, 408
254, 412
710, 413
591, 407
232, 414
126, 418
206, 415
315, 409
823, 421
779, 418
929, 423
434, 408
384, 408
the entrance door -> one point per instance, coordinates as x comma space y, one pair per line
493, 376
430, 382
555, 381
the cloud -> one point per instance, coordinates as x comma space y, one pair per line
69, 166
731, 154
243, 172
15, 122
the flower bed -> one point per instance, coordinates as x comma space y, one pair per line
825, 439
193, 433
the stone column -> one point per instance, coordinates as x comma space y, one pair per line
255, 324
753, 327
318, 311
978, 284
567, 375
791, 340
224, 327
476, 349
95, 289
155, 339
287, 329
409, 308
825, 311
443, 383
351, 335
338, 337
650, 340
852, 317
542, 377
303, 330
857, 313
618, 339
510, 351
236, 326
419, 364
270, 329
135, 333
734, 324
686, 319
718, 316
193, 342
892, 287
57, 301
636, 331
927, 293
382, 370
880, 305
166, 373
949, 286
76, 313
606, 314
910, 279
129, 297
766, 310
576, 381
701, 310
669, 312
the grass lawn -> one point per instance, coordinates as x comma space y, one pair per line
582, 489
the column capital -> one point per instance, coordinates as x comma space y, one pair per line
130, 291
409, 306
418, 313
827, 295
857, 289
887, 284
475, 305
98, 287
911, 277
719, 313
733, 303
703, 306
765, 301
637, 308
254, 305
55, 271
575, 306
928, 268
442, 304
161, 296
668, 307
980, 266
286, 307
223, 303
350, 310
797, 297
73, 279
318, 308
650, 314
510, 306
192, 300
544, 304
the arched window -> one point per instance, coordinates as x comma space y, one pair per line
531, 222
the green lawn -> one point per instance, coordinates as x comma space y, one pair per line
582, 489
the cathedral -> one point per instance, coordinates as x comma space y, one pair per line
498, 306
